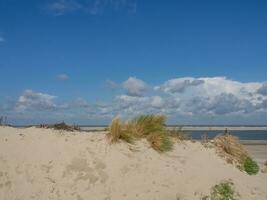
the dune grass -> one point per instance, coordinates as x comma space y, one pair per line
160, 141
117, 131
234, 152
151, 127
147, 124
231, 148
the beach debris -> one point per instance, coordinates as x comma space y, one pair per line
60, 126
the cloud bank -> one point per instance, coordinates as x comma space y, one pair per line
184, 99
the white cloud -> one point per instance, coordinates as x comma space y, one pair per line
179, 85
212, 95
187, 99
62, 77
157, 102
135, 87
30, 100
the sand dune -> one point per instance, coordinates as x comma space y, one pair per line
45, 164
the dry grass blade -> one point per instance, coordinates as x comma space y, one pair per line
229, 147
160, 142
151, 127
117, 130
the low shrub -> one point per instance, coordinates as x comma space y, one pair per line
250, 166
223, 191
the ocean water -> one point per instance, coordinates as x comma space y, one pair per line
242, 135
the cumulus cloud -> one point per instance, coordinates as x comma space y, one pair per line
212, 95
194, 99
135, 87
179, 85
31, 100
227, 103
62, 77
157, 102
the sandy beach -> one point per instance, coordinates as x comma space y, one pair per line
47, 164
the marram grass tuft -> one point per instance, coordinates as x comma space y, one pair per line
151, 127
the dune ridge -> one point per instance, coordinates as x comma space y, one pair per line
46, 164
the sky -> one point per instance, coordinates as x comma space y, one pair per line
86, 61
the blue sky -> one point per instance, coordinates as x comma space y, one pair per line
85, 61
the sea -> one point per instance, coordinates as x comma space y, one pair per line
242, 135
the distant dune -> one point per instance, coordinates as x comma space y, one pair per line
45, 164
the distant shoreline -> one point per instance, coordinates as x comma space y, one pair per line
182, 127
194, 128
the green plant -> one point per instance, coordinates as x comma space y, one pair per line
147, 124
250, 166
223, 191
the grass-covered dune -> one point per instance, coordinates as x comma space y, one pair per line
38, 163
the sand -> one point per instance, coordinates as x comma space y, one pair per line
46, 164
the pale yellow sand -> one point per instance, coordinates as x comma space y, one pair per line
46, 164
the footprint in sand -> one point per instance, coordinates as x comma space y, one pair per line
86, 172
4, 181
47, 167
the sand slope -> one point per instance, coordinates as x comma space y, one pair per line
46, 164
